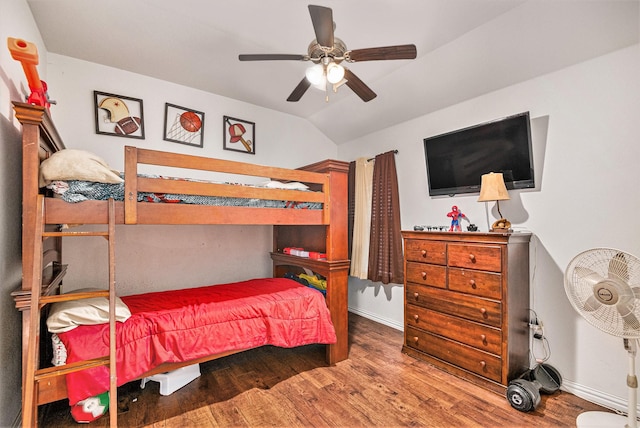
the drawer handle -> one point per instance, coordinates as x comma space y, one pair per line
424, 253
472, 258
473, 284
416, 317
415, 339
484, 338
483, 364
483, 311
416, 295
424, 275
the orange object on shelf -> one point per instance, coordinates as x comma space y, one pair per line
300, 252
27, 54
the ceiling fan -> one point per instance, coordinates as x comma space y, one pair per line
327, 52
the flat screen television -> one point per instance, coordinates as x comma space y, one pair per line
457, 160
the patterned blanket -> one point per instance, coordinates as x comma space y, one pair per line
77, 191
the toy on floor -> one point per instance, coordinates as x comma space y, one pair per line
90, 409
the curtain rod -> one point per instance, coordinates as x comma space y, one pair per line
370, 159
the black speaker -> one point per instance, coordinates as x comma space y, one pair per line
523, 393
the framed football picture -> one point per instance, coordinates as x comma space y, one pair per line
183, 125
118, 115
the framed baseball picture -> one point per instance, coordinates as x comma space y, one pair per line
118, 115
183, 125
239, 135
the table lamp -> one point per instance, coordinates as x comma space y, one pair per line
492, 188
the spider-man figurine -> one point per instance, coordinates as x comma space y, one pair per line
455, 215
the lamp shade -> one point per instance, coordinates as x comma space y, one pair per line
492, 188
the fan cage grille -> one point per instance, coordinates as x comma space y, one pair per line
616, 266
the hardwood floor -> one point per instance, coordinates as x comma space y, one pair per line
376, 386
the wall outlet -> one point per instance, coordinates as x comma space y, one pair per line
536, 328
537, 333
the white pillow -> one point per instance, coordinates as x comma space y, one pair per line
294, 185
65, 316
72, 164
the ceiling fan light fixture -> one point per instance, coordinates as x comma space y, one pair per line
315, 74
335, 73
328, 52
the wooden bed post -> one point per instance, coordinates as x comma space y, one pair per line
39, 138
337, 250
331, 239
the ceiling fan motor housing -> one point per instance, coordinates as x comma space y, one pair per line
336, 53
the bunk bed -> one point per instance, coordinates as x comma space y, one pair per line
321, 230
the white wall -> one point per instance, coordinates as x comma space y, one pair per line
166, 257
585, 137
15, 21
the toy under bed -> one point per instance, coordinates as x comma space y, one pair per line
184, 325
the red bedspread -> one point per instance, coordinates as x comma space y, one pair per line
182, 325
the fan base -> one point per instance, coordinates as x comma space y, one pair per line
600, 420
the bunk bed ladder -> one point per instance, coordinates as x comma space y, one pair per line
34, 375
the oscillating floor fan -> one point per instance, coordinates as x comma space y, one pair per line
603, 285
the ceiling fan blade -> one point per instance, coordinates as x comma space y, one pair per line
299, 91
383, 53
272, 57
322, 19
619, 267
358, 86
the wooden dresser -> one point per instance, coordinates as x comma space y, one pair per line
467, 303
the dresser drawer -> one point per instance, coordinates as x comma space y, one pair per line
481, 257
481, 336
478, 362
485, 284
453, 303
419, 250
425, 274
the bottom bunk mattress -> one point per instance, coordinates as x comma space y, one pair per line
183, 325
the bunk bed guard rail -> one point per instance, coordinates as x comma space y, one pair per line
134, 183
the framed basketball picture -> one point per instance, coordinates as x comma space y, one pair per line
183, 125
239, 135
118, 115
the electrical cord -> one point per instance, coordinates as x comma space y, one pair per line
538, 337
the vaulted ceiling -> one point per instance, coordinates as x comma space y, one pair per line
465, 48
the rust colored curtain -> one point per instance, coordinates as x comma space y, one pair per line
351, 183
385, 250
